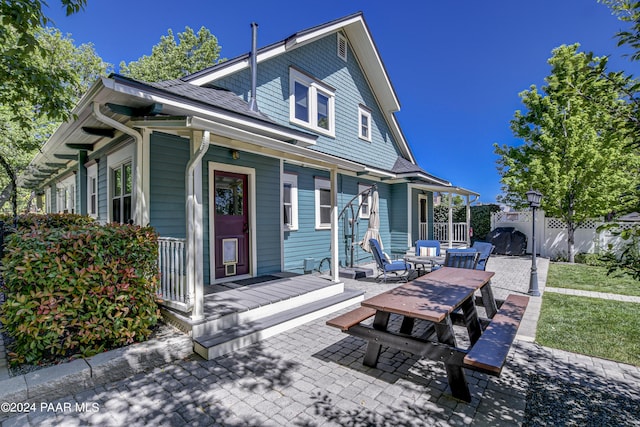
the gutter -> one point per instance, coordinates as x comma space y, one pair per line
137, 184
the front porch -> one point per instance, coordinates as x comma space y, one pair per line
237, 315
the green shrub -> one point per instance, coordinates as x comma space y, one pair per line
590, 259
54, 220
78, 291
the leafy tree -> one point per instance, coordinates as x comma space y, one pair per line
24, 126
171, 60
28, 76
573, 151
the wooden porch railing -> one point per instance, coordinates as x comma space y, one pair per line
460, 232
173, 276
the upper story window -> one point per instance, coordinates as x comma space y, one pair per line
323, 203
290, 201
311, 103
364, 123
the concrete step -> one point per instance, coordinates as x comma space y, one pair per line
242, 335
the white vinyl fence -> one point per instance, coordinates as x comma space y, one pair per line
551, 233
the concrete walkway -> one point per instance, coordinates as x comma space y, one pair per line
313, 376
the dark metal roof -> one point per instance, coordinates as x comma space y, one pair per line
216, 97
404, 166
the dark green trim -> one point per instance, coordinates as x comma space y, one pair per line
149, 110
108, 132
73, 146
65, 156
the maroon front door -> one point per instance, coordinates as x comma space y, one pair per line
231, 222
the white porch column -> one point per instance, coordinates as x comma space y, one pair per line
334, 225
468, 220
450, 225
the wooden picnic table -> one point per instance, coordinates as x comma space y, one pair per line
434, 298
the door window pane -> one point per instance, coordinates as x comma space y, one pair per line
228, 193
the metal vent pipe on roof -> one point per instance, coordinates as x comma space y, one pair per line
253, 103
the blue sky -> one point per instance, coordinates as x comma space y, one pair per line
457, 67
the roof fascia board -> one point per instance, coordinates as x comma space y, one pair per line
244, 135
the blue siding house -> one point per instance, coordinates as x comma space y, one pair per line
248, 168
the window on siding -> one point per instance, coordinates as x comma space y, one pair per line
290, 201
92, 190
364, 123
323, 203
65, 192
311, 103
364, 200
122, 185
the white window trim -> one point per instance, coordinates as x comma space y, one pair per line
321, 184
291, 179
315, 87
361, 188
115, 160
92, 174
364, 112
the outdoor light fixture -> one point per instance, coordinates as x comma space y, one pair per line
533, 197
235, 154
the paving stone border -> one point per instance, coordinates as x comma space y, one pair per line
53, 382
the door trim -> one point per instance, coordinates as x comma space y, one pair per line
251, 199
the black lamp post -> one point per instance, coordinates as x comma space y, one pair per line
534, 197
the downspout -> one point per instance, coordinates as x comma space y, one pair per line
194, 256
138, 141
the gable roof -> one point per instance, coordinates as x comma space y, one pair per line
362, 45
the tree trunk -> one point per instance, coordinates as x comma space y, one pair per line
5, 194
571, 242
14, 190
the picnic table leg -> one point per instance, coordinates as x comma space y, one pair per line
407, 325
471, 320
488, 300
380, 323
453, 364
456, 377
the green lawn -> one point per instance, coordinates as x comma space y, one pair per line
590, 278
590, 326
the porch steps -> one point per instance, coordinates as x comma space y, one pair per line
242, 335
229, 309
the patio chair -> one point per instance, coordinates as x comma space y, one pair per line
427, 244
462, 258
385, 265
485, 249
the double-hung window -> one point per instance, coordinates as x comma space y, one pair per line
290, 201
312, 103
365, 200
122, 186
364, 123
92, 190
323, 203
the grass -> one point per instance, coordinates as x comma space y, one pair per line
591, 278
591, 326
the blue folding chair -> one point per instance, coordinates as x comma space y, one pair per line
485, 250
462, 258
427, 244
387, 266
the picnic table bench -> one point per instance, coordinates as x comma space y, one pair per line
435, 298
